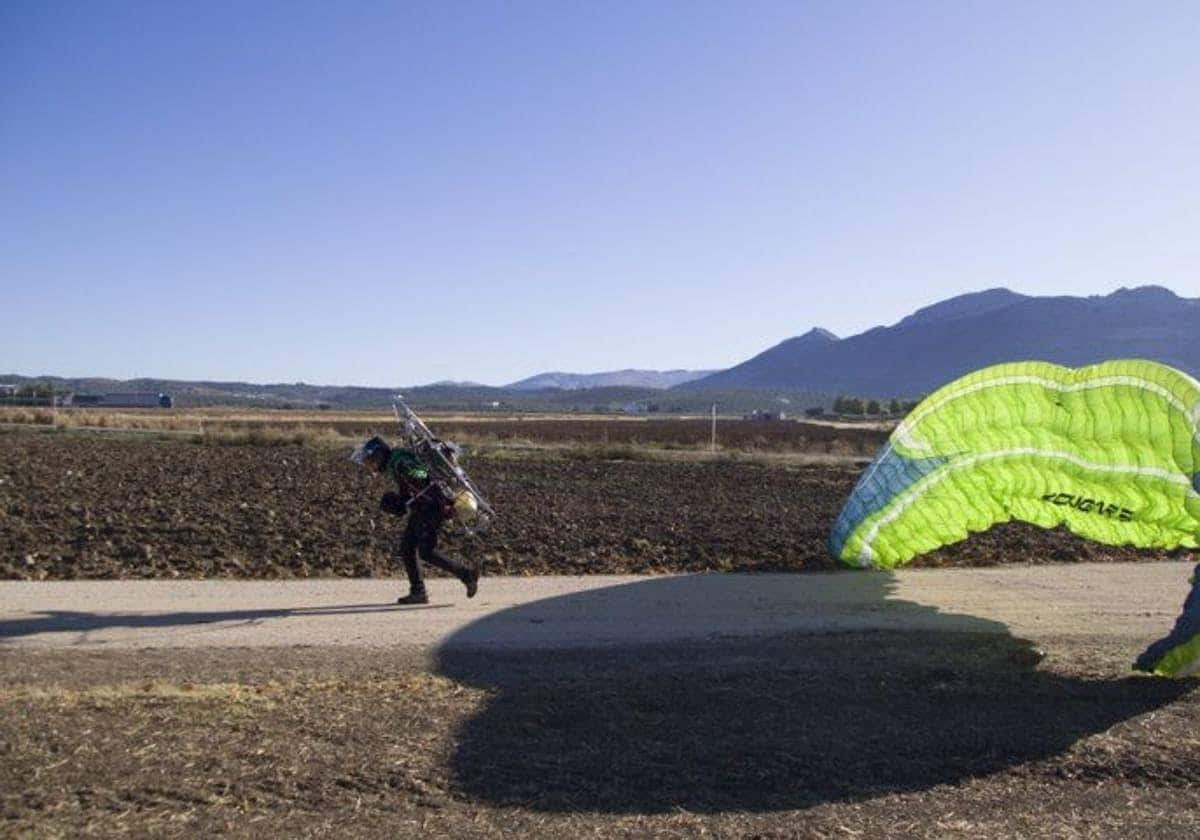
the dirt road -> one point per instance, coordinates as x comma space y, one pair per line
1133, 601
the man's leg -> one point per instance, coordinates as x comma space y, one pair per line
427, 538
1178, 655
412, 565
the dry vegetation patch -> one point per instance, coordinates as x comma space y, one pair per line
855, 735
232, 426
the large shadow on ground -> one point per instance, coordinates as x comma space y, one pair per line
784, 722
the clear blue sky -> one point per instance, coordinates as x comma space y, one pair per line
396, 193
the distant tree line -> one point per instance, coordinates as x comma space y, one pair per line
871, 408
32, 393
37, 389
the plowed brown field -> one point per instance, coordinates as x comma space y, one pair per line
104, 506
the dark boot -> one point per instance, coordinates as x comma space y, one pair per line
470, 578
415, 596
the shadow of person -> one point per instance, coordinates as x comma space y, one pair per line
879, 696
69, 621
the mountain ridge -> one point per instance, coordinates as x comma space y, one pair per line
629, 377
940, 342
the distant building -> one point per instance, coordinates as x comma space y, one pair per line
764, 416
134, 400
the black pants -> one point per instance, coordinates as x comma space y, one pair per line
419, 544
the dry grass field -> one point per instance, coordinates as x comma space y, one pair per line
503, 430
946, 735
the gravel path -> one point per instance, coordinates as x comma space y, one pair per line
1130, 601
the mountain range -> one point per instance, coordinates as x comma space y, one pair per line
911, 357
941, 342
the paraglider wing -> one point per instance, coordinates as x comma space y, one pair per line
1111, 451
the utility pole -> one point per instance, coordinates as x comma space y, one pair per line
713, 444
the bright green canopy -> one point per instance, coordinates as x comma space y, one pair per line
1112, 451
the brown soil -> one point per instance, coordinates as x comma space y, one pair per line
106, 506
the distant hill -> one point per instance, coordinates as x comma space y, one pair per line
612, 379
454, 383
207, 392
450, 396
946, 340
